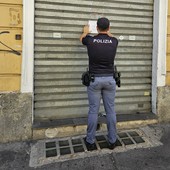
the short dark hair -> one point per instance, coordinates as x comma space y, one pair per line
103, 23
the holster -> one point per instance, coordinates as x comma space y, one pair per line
117, 76
86, 78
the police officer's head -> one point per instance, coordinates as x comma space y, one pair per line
103, 24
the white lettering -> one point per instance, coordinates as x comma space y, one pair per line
103, 41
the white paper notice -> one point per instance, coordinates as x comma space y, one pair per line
132, 37
92, 26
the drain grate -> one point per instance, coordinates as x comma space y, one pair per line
57, 150
75, 145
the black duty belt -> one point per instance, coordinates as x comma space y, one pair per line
103, 75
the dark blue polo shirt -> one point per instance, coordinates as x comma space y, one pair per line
101, 51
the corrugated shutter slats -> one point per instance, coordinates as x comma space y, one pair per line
59, 62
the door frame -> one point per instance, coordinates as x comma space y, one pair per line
27, 75
159, 48
158, 53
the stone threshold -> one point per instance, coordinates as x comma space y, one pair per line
39, 124
79, 127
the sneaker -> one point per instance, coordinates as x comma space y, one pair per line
112, 145
90, 147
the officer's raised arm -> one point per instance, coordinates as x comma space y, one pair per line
85, 32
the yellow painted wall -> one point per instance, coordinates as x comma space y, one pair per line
168, 48
10, 64
11, 2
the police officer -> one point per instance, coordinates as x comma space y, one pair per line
101, 51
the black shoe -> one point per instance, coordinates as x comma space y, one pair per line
112, 145
90, 147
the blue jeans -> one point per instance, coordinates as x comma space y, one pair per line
104, 87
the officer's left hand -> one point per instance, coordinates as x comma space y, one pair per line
86, 29
85, 32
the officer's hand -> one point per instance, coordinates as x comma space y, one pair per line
85, 32
86, 29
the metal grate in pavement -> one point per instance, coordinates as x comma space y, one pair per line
75, 145
62, 149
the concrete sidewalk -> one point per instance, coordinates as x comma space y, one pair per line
16, 156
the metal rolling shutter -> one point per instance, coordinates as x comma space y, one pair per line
60, 61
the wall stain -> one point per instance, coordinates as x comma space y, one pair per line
15, 16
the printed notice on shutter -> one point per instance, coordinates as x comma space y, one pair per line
92, 26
